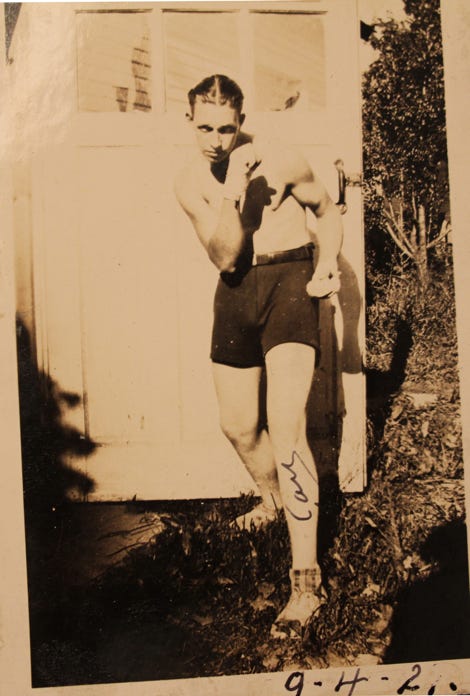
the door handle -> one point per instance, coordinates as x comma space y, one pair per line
341, 202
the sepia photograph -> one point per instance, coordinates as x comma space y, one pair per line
237, 370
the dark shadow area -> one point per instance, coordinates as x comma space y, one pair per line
324, 443
432, 616
258, 197
45, 440
325, 452
382, 386
47, 479
350, 301
168, 607
11, 14
326, 403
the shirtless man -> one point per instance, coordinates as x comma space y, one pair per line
247, 201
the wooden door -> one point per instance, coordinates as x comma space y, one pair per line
123, 287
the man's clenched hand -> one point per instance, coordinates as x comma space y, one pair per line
243, 162
325, 282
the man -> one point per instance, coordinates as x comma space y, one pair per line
247, 201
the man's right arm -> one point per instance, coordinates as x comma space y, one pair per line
221, 234
228, 240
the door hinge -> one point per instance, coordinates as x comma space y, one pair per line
354, 179
344, 179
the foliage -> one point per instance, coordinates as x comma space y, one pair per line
405, 170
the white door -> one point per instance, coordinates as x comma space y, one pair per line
123, 288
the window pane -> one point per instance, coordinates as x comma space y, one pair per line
289, 62
114, 65
197, 44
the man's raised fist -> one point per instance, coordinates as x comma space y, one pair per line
243, 161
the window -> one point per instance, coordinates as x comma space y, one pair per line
197, 44
278, 58
289, 62
114, 61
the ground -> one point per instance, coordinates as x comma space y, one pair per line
164, 590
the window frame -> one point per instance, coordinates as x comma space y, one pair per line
135, 127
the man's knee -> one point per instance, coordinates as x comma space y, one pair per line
243, 436
287, 431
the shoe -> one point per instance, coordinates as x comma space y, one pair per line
307, 596
257, 518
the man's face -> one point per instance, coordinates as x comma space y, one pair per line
216, 127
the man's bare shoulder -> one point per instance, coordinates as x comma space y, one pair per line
187, 184
284, 158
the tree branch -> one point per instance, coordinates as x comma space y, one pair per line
398, 242
398, 235
413, 205
446, 229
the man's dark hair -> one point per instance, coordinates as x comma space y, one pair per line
217, 89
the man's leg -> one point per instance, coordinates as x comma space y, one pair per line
290, 368
238, 397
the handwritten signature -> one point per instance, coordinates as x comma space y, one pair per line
299, 493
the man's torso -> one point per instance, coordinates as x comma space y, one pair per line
268, 209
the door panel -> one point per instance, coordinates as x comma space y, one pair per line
56, 276
146, 295
128, 289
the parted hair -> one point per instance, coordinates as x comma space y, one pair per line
217, 89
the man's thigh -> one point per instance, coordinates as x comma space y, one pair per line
237, 392
289, 368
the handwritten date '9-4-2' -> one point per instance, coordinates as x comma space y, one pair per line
294, 467
296, 681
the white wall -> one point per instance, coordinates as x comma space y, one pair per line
39, 80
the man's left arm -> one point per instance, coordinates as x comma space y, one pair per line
311, 193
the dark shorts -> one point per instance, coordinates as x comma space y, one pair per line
261, 308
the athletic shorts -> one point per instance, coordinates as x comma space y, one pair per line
261, 307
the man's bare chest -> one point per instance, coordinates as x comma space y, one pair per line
266, 191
